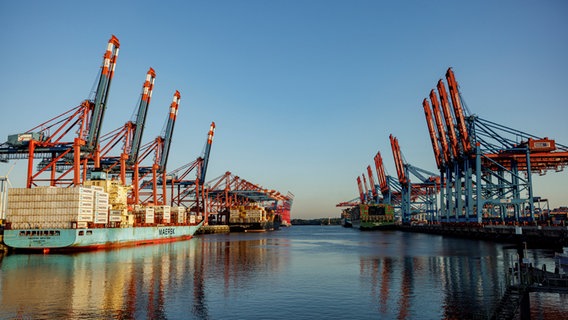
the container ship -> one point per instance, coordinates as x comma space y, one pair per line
372, 216
88, 217
253, 218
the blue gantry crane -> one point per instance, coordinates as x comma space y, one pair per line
419, 200
485, 168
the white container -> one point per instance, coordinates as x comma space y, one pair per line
101, 220
85, 218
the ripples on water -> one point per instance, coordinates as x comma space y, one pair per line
302, 272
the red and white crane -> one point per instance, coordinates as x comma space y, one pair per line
66, 143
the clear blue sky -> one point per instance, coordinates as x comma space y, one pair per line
304, 93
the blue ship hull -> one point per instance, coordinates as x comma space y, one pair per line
95, 238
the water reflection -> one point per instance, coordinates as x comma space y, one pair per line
152, 282
464, 277
301, 273
127, 283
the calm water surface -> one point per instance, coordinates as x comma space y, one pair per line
302, 272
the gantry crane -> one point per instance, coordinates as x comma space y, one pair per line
191, 192
229, 190
72, 138
485, 168
374, 193
390, 188
417, 199
130, 135
160, 147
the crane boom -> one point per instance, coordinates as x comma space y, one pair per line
402, 179
432, 131
440, 125
365, 185
207, 152
458, 111
101, 95
383, 183
372, 182
449, 120
361, 194
141, 116
169, 130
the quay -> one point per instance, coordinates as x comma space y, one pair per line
544, 236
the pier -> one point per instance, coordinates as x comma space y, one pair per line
523, 280
546, 236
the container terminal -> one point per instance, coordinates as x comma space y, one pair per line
86, 189
483, 187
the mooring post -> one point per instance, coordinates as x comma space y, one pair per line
525, 306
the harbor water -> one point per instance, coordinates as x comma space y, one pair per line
301, 272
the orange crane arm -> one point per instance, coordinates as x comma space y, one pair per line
372, 181
383, 183
398, 160
440, 126
448, 117
365, 184
361, 194
458, 111
432, 131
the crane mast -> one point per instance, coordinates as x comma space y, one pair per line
207, 152
402, 178
160, 146
169, 131
383, 183
458, 111
432, 132
372, 182
141, 116
101, 96
449, 120
365, 186
440, 125
361, 193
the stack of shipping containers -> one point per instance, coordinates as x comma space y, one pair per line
51, 207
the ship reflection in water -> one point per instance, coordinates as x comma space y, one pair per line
148, 282
300, 272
